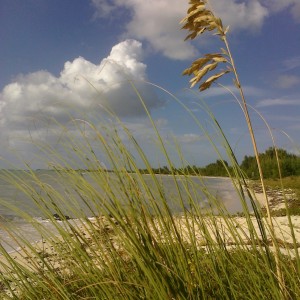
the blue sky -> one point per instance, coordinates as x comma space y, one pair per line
50, 49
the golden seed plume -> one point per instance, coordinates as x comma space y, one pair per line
200, 19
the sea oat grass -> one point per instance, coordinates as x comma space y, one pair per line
201, 18
134, 246
115, 233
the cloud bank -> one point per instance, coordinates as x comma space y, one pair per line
82, 87
157, 21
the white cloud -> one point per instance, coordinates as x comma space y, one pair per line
241, 15
277, 102
157, 21
82, 87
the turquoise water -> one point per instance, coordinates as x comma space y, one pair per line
72, 201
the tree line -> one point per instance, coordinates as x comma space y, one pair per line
289, 166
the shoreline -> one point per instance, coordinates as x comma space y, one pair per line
183, 175
55, 254
32, 256
276, 203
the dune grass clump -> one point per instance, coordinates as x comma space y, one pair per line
134, 247
138, 249
114, 233
201, 18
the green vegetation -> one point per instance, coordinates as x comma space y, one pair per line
292, 182
291, 188
219, 168
289, 164
135, 247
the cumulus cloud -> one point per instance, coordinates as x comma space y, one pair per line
241, 15
278, 102
157, 21
81, 87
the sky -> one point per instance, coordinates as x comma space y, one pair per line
62, 59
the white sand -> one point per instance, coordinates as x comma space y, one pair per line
232, 235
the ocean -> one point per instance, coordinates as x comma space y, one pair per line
14, 201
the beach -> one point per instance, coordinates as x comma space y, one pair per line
45, 252
30, 259
93, 238
55, 256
